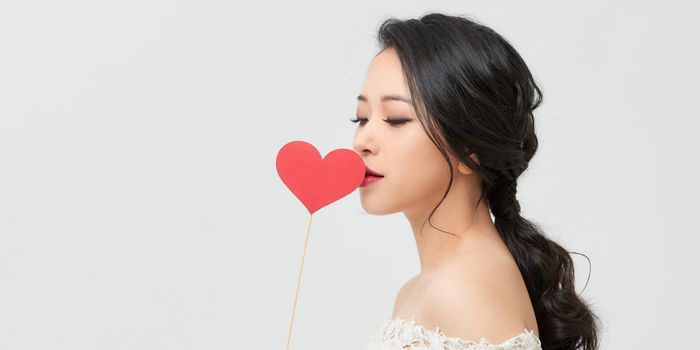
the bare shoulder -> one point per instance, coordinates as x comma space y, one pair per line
479, 297
402, 294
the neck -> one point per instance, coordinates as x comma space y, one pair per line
456, 215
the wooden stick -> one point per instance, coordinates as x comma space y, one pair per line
296, 292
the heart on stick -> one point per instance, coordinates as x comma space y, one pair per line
317, 182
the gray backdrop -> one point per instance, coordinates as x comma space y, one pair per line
140, 207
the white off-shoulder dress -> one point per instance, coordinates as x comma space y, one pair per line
402, 334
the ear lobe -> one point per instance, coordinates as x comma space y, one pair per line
463, 169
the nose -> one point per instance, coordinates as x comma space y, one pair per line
364, 142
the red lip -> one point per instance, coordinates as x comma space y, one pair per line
369, 171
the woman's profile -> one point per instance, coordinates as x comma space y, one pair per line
445, 127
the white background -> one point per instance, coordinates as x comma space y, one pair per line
140, 207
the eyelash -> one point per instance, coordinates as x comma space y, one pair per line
393, 122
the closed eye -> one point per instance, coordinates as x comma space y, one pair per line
392, 121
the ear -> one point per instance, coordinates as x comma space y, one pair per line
475, 158
465, 169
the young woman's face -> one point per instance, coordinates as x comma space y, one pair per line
415, 173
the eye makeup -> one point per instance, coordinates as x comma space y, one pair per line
392, 121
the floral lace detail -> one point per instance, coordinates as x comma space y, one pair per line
401, 334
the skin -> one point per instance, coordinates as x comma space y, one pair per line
469, 285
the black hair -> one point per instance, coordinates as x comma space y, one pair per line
473, 93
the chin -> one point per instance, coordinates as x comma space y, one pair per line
376, 207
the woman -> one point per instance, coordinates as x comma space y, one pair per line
445, 124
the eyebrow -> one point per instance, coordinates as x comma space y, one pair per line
387, 98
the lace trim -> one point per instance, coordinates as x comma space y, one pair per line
401, 334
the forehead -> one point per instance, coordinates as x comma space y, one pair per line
384, 76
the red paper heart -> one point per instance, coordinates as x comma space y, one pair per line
318, 182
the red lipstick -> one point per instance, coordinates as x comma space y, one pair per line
371, 177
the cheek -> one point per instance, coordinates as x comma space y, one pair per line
422, 172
